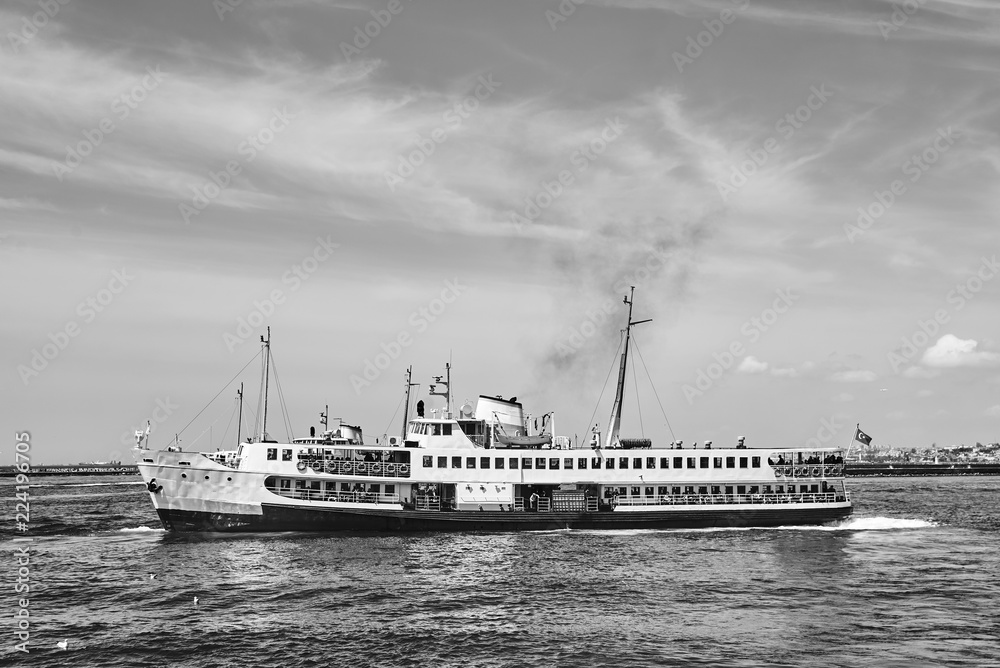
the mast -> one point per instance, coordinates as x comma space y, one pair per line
239, 434
616, 410
267, 370
447, 388
406, 409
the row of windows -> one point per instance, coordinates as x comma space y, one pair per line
713, 489
595, 462
286, 454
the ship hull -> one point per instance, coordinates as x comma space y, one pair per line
297, 518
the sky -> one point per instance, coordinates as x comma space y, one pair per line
803, 195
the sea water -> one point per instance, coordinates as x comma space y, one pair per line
912, 579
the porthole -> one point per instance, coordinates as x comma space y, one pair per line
229, 479
206, 477
184, 475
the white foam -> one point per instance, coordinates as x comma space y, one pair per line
141, 529
884, 523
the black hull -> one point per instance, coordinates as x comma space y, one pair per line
290, 518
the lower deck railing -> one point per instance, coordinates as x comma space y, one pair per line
342, 497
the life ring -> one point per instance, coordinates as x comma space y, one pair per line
404, 469
827, 470
836, 470
390, 469
815, 472
376, 469
778, 472
301, 466
788, 470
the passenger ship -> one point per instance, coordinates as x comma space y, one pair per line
484, 470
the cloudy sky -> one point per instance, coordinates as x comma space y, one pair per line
804, 195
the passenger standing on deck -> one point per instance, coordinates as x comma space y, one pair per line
533, 499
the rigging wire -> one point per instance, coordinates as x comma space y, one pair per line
230, 423
638, 404
660, 403
621, 339
385, 432
219, 392
281, 401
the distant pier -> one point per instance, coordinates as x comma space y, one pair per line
81, 469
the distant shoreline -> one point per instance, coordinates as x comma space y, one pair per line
850, 470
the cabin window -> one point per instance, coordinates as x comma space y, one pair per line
456, 462
390, 489
678, 462
376, 488
730, 463
743, 462
689, 489
498, 464
609, 463
568, 463
526, 463
704, 463
437, 430
272, 453
716, 489
623, 462
729, 489
664, 462
442, 462
767, 489
284, 483
539, 462
649, 491
513, 462
345, 487
661, 491
814, 489
446, 429
428, 461
286, 455
581, 463
755, 462
596, 462
470, 462
779, 489
741, 489
634, 491
637, 462
554, 463
717, 462
691, 462
484, 462
650, 462
675, 490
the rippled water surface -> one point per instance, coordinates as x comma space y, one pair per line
910, 580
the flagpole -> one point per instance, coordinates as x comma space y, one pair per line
851, 445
